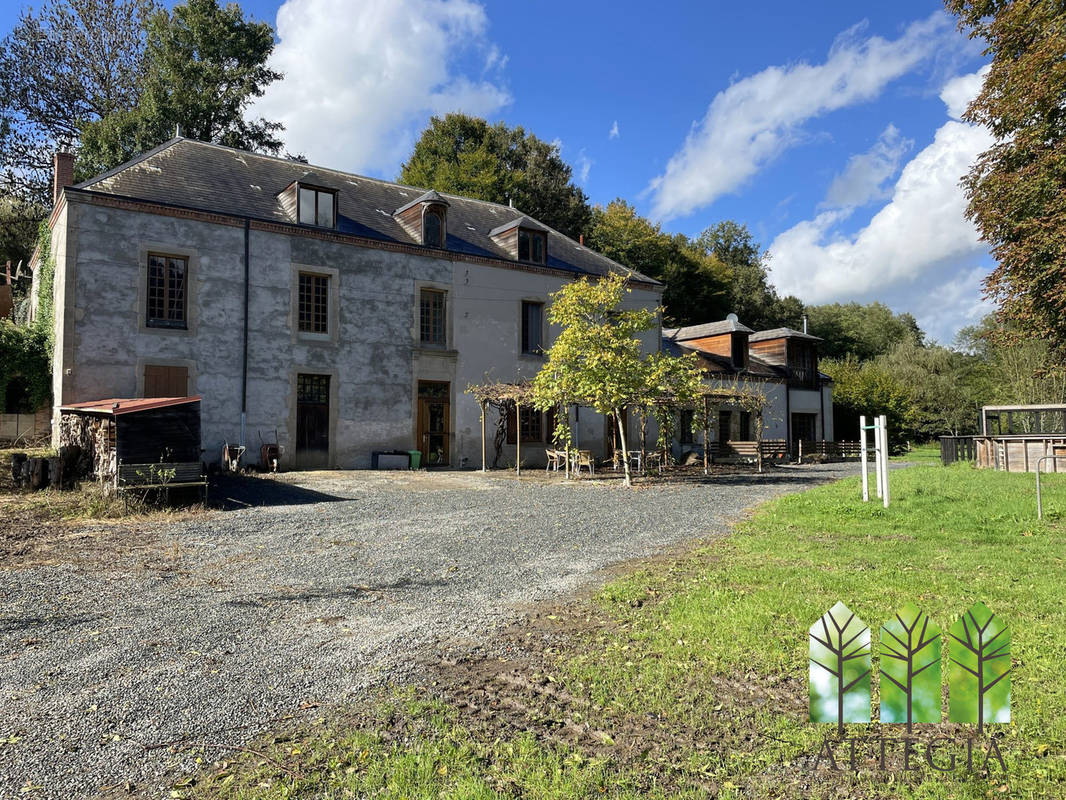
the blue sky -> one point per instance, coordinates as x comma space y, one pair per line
830, 129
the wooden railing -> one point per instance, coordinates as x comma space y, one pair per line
837, 451
957, 448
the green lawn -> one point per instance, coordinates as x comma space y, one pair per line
699, 674
928, 453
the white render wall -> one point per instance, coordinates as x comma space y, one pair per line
372, 353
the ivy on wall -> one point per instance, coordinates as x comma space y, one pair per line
26, 350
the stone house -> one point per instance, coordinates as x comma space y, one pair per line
347, 314
781, 364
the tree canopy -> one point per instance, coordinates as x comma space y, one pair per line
203, 66
466, 155
697, 283
751, 295
863, 331
1017, 188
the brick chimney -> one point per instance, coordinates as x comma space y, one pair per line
63, 174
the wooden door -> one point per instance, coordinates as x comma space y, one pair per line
803, 429
163, 381
434, 412
312, 421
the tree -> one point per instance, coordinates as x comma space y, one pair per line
65, 63
944, 397
1017, 188
863, 331
751, 295
203, 66
1011, 369
596, 361
697, 283
868, 389
465, 155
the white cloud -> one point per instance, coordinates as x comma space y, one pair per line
757, 118
958, 92
361, 79
913, 250
584, 166
862, 181
613, 133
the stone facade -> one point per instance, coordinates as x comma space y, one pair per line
371, 352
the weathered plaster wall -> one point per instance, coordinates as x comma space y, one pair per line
372, 352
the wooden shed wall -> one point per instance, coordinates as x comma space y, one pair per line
772, 351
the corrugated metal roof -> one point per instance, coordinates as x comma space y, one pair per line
116, 405
190, 174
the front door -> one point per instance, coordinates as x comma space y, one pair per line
312, 421
434, 411
803, 429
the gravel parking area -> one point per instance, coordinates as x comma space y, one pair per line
215, 628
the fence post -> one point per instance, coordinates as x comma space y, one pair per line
884, 456
865, 468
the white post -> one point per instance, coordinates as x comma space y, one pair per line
862, 460
877, 457
884, 456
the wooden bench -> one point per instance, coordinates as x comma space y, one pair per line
164, 476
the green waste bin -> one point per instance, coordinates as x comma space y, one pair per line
416, 459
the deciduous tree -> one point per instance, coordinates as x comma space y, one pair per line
1017, 188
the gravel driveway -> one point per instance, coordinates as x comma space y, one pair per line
220, 625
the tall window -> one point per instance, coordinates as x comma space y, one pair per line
316, 207
433, 229
313, 297
532, 246
684, 433
528, 423
431, 318
166, 291
532, 328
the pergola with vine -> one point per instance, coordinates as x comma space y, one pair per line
505, 396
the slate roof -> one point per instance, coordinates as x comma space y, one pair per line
706, 329
209, 177
781, 333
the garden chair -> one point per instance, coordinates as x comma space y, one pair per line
583, 458
554, 459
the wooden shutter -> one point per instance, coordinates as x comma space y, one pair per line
163, 381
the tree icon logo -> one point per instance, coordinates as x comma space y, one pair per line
910, 668
910, 651
979, 672
840, 668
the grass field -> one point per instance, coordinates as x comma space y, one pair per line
694, 679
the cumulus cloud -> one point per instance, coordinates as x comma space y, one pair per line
863, 179
362, 78
613, 133
759, 117
916, 246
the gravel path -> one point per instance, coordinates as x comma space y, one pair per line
222, 624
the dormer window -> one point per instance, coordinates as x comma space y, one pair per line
426, 219
316, 207
532, 246
524, 239
433, 226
